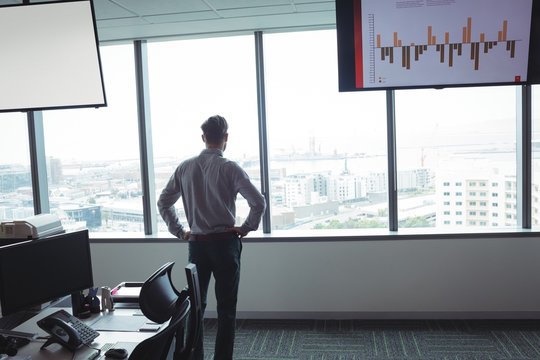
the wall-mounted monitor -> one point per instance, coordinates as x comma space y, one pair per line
393, 44
49, 56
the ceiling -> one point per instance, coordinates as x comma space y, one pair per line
120, 20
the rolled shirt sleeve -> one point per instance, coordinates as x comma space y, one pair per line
168, 197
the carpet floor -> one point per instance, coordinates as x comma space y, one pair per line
382, 339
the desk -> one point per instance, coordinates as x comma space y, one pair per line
56, 352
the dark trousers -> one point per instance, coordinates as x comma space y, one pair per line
222, 259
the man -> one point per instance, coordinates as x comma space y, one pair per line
208, 185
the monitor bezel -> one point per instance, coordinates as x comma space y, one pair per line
346, 54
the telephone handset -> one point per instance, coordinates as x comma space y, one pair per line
67, 330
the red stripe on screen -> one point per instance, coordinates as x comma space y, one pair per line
358, 58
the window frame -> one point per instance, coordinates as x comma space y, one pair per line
523, 141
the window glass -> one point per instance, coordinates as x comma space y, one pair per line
327, 149
16, 199
535, 201
93, 154
456, 144
191, 80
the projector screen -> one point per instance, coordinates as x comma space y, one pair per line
49, 57
391, 44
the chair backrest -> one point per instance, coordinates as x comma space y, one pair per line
195, 315
161, 345
158, 295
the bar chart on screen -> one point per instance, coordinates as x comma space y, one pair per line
443, 41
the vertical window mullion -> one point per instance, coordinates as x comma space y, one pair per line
524, 156
38, 163
263, 143
145, 138
392, 162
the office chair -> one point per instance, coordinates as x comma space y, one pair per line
195, 315
158, 295
159, 346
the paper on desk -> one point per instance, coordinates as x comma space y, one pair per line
119, 323
127, 291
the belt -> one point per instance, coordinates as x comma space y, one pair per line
228, 235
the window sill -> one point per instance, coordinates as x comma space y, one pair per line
332, 235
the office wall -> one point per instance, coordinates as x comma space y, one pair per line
464, 278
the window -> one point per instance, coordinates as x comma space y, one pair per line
191, 80
535, 148
455, 143
93, 154
16, 199
323, 176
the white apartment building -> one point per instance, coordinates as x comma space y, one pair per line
468, 199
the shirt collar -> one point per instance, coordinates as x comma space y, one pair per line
218, 152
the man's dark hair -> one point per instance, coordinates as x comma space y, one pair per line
214, 129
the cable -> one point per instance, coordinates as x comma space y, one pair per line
93, 356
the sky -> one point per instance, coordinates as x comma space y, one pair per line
193, 79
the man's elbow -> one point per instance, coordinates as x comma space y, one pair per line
262, 206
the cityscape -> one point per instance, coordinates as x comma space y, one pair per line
309, 191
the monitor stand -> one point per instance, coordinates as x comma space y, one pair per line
78, 306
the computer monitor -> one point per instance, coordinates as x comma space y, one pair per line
36, 272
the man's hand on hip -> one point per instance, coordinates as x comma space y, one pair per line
186, 235
237, 230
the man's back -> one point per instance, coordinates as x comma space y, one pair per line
209, 184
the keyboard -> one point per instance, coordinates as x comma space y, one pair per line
11, 321
101, 351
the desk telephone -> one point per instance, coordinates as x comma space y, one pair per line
66, 330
